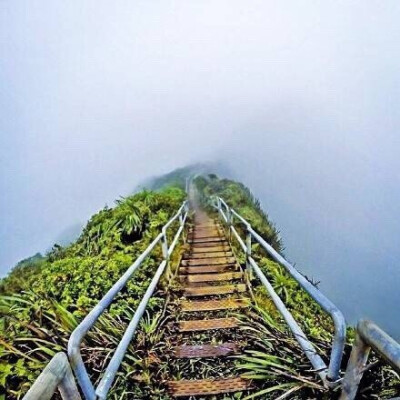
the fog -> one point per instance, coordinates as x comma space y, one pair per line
299, 100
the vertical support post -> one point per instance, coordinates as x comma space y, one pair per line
219, 205
248, 252
164, 244
67, 386
355, 368
229, 217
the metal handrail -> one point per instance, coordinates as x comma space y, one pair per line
79, 333
57, 374
331, 373
368, 336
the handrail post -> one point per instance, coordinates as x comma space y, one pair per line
164, 244
248, 252
355, 368
229, 217
369, 336
57, 374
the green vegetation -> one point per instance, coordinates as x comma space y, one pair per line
44, 298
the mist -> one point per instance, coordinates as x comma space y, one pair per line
299, 100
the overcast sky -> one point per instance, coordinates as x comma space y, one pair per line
300, 99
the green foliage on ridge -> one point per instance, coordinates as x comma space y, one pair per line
43, 299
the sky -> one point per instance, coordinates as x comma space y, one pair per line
299, 99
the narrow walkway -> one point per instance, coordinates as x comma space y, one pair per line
212, 289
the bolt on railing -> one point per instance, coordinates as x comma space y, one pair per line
368, 336
56, 375
329, 374
77, 336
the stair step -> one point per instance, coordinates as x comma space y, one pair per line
204, 387
213, 305
208, 269
213, 290
205, 247
208, 324
206, 350
209, 254
208, 261
225, 276
219, 239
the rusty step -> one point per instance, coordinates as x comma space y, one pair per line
208, 261
208, 269
207, 387
213, 290
206, 350
205, 235
204, 247
208, 324
213, 305
196, 250
224, 276
209, 254
219, 240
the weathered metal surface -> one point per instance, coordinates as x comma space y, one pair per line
368, 336
208, 261
228, 214
208, 247
225, 276
208, 324
213, 305
205, 233
208, 269
206, 350
207, 387
57, 374
214, 290
208, 240
210, 254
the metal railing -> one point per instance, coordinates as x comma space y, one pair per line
329, 374
368, 336
74, 353
56, 375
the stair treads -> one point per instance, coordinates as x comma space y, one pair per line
207, 248
219, 239
204, 387
213, 305
213, 290
224, 276
206, 350
205, 232
208, 261
208, 324
208, 269
209, 254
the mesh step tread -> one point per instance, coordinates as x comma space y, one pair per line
208, 324
224, 276
209, 254
213, 305
206, 233
214, 290
205, 247
204, 387
208, 261
219, 239
208, 269
208, 248
206, 350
